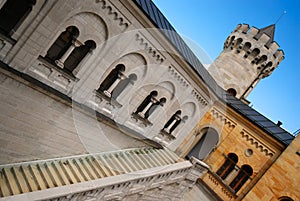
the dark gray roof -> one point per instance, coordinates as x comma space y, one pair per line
269, 31
160, 21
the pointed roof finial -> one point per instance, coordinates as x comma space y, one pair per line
284, 12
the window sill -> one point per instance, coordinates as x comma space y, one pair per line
7, 38
110, 100
169, 135
65, 73
144, 121
223, 183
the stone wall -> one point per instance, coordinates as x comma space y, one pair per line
282, 179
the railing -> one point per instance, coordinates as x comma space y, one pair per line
133, 174
218, 186
39, 175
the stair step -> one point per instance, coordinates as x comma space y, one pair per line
39, 175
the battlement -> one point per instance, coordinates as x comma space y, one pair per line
257, 46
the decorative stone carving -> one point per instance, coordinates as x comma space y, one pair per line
199, 98
258, 145
222, 118
117, 16
147, 46
179, 78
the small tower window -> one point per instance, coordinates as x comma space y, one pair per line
247, 46
238, 42
13, 13
228, 165
255, 52
262, 59
231, 91
149, 104
243, 175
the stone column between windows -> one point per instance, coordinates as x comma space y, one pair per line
2, 2
142, 113
108, 92
82, 63
60, 62
231, 176
172, 124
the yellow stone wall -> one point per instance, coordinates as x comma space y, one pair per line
237, 135
282, 179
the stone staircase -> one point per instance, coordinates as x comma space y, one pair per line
45, 174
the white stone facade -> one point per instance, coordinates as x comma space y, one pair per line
49, 111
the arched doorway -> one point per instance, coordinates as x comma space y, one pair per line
206, 144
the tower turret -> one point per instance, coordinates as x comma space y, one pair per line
249, 55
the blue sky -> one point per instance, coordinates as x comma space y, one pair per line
208, 23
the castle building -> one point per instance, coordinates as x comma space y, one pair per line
103, 100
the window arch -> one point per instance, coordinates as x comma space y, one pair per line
149, 104
228, 165
121, 86
78, 54
231, 91
285, 198
238, 42
13, 13
206, 144
173, 122
62, 44
243, 175
255, 52
262, 59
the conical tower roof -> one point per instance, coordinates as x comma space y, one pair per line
269, 30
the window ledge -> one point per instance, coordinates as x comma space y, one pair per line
7, 38
145, 121
110, 100
169, 135
60, 70
223, 183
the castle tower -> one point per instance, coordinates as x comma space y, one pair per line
249, 55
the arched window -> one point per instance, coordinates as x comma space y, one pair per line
206, 144
62, 44
122, 85
255, 52
112, 80
173, 122
149, 104
231, 91
285, 198
262, 59
238, 42
13, 13
247, 46
78, 54
228, 165
243, 175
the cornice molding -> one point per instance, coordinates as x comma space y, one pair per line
149, 48
112, 10
258, 145
223, 118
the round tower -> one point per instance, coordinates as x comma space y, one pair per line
248, 56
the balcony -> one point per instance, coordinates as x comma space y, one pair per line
218, 186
